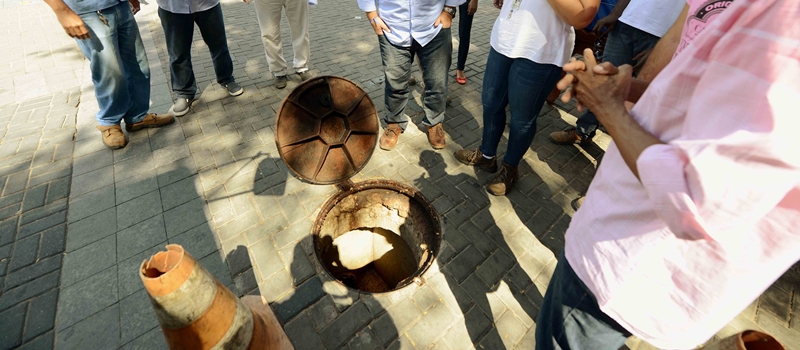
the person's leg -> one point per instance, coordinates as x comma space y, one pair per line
397, 69
495, 99
435, 59
297, 15
134, 61
268, 13
212, 28
569, 317
464, 28
529, 83
178, 33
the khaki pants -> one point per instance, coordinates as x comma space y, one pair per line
269, 19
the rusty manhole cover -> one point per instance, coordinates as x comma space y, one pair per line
326, 130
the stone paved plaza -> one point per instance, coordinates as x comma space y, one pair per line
77, 219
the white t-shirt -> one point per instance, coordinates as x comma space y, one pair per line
652, 16
534, 31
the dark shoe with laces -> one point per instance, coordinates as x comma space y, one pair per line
502, 181
151, 120
390, 136
475, 157
568, 137
305, 75
436, 136
234, 89
113, 137
280, 81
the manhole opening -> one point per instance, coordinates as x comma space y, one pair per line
377, 239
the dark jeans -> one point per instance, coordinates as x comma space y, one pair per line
570, 317
523, 85
434, 59
464, 28
179, 31
623, 44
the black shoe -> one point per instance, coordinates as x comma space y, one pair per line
280, 81
234, 89
475, 157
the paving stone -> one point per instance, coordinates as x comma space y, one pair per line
305, 294
404, 314
510, 329
302, 334
92, 180
266, 258
31, 272
528, 340
139, 237
128, 270
494, 267
41, 315
432, 326
133, 186
43, 342
84, 334
8, 230
24, 254
488, 302
296, 262
92, 203
28, 290
138, 314
34, 197
364, 340
293, 233
87, 297
238, 226
323, 312
176, 171
137, 210
343, 328
479, 240
775, 302
91, 229
425, 298
274, 288
12, 322
179, 192
92, 162
198, 241
464, 263
245, 283
185, 217
42, 224
152, 340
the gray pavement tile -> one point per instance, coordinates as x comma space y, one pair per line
215, 264
42, 224
32, 272
134, 149
245, 283
511, 329
345, 327
52, 242
59, 188
91, 203
175, 171
276, 286
323, 312
179, 192
238, 225
294, 233
24, 253
297, 263
85, 298
139, 237
384, 329
464, 263
185, 217
130, 187
198, 241
236, 255
266, 258
50, 175
302, 334
93, 180
41, 315
11, 199
404, 315
425, 298
494, 267
8, 230
489, 303
16, 182
152, 340
43, 342
432, 326
138, 210
89, 260
42, 212
12, 322
91, 229
138, 314
93, 161
128, 270
85, 334
34, 197
478, 238
28, 290
364, 340
305, 294
169, 154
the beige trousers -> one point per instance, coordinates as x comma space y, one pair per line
269, 19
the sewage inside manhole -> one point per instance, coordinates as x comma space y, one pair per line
377, 239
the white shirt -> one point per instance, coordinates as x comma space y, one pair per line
409, 19
652, 16
533, 31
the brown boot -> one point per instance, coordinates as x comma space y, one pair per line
151, 120
112, 136
567, 137
436, 136
390, 136
502, 182
476, 158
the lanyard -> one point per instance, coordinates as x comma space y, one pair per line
514, 7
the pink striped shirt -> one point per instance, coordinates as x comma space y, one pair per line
715, 218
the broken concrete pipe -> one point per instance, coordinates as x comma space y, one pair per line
197, 312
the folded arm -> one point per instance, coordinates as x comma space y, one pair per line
577, 13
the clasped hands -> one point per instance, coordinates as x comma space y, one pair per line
601, 88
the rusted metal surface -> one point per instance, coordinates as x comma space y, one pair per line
326, 130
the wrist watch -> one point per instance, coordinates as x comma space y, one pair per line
450, 10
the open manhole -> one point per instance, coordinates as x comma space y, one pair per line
374, 236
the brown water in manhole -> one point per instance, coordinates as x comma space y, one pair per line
377, 240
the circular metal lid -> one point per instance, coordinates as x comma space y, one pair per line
326, 130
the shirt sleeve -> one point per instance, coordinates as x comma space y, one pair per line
367, 5
454, 3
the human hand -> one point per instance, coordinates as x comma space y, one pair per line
604, 89
567, 82
445, 20
498, 4
72, 23
135, 6
377, 23
607, 22
472, 7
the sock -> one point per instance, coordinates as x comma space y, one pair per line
487, 157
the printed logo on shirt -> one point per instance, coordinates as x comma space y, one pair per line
695, 23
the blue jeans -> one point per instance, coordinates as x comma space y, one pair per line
464, 28
523, 85
179, 32
120, 71
434, 59
623, 44
570, 317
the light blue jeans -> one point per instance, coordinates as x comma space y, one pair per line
120, 71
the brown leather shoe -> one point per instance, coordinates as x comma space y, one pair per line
476, 158
502, 181
436, 136
112, 136
567, 137
151, 120
390, 136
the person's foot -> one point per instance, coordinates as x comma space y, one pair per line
280, 81
577, 202
502, 181
305, 75
436, 136
234, 89
182, 106
151, 120
390, 136
475, 157
112, 136
567, 137
460, 77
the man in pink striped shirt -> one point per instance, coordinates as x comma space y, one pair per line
695, 209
